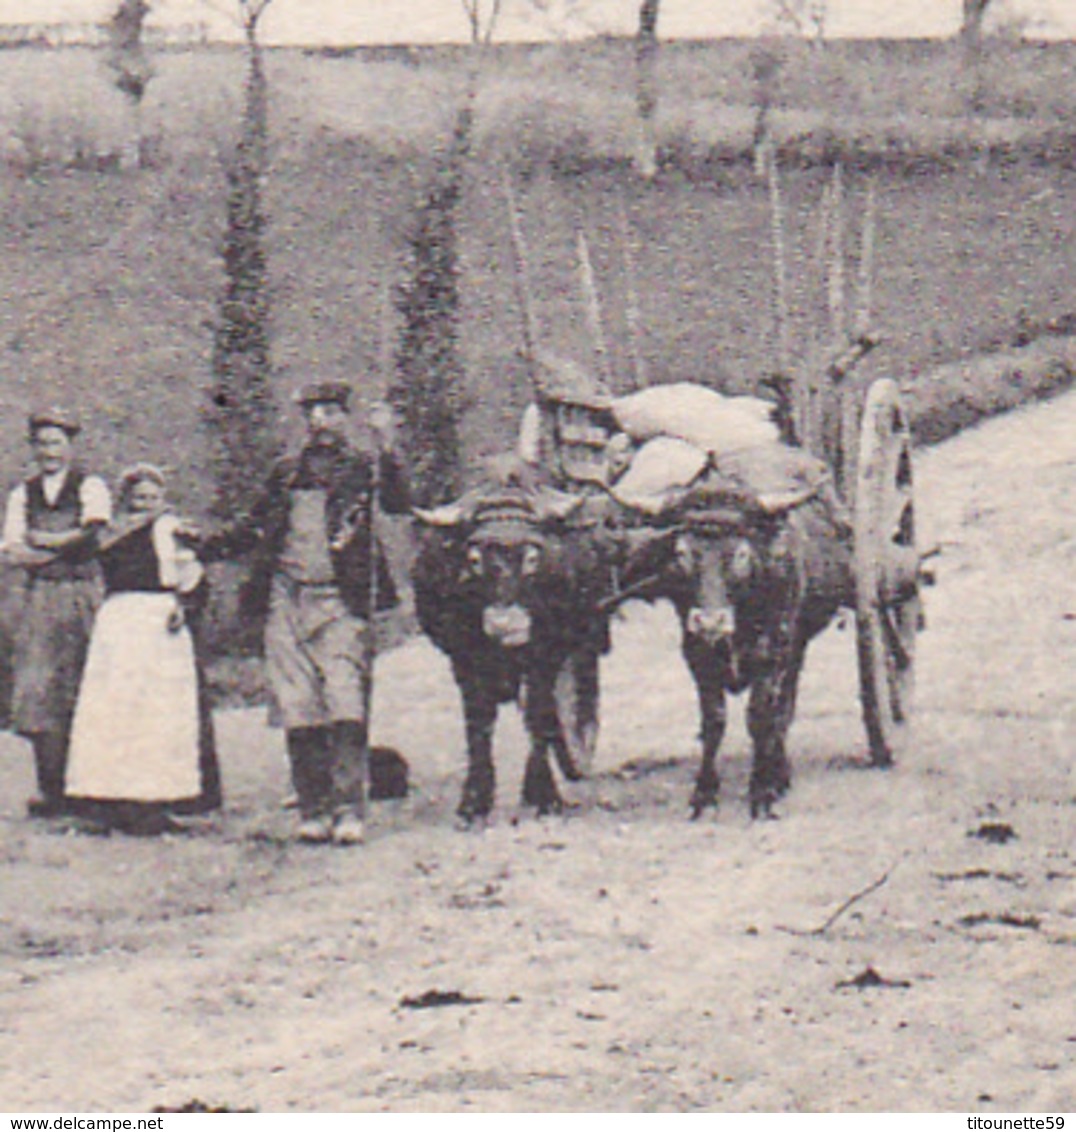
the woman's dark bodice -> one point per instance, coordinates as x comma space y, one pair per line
130, 565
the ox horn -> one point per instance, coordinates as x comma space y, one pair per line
558, 505
448, 515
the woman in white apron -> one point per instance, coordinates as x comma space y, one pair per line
135, 750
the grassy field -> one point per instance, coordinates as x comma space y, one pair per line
110, 278
110, 282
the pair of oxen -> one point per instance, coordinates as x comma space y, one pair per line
516, 582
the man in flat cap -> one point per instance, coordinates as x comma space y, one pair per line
50, 531
313, 553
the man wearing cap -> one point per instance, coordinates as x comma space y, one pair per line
50, 531
314, 552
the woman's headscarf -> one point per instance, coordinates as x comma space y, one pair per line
131, 477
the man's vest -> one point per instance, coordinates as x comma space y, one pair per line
56, 518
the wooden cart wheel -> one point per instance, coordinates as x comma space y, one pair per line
886, 569
576, 692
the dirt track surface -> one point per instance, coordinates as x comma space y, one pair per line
624, 957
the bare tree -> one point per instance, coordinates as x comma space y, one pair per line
130, 66
971, 35
482, 19
560, 17
971, 27
766, 64
806, 19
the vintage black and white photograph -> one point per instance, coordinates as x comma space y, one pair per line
538, 566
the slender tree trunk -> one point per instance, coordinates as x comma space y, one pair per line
971, 36
131, 70
646, 51
131, 151
974, 14
482, 30
766, 66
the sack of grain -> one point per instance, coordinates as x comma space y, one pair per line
659, 469
699, 415
773, 477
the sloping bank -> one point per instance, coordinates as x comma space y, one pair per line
949, 398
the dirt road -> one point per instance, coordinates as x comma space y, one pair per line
620, 957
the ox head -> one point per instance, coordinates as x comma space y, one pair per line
714, 564
709, 558
503, 545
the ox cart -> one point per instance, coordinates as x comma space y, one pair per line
858, 431
863, 437
773, 516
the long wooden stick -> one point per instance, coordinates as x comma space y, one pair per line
825, 210
820, 275
865, 283
845, 905
385, 352
524, 290
386, 366
780, 269
835, 273
592, 303
632, 312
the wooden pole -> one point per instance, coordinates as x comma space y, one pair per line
836, 272
865, 285
524, 290
820, 298
780, 270
821, 268
632, 312
385, 352
386, 366
592, 303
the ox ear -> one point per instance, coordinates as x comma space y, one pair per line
557, 505
448, 515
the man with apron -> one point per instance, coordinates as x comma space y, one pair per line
50, 531
314, 552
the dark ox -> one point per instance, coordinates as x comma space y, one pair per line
510, 592
751, 589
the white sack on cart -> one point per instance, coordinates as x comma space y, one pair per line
697, 414
659, 469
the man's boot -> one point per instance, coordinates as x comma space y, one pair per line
348, 769
308, 753
50, 765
